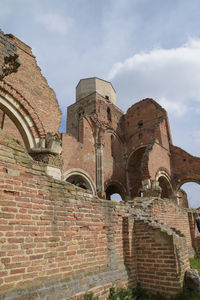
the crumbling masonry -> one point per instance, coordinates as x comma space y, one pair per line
60, 234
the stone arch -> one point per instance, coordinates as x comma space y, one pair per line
114, 187
134, 171
164, 182
22, 114
80, 178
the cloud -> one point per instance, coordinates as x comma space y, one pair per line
170, 76
54, 23
177, 108
196, 137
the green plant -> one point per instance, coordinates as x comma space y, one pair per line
142, 294
195, 262
126, 294
89, 296
185, 294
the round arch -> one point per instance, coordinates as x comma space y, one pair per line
187, 180
164, 181
20, 122
114, 133
188, 193
19, 110
133, 167
80, 178
114, 187
132, 152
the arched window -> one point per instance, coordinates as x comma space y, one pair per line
81, 179
109, 114
165, 186
115, 192
140, 124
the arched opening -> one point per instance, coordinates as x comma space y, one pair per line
165, 186
134, 172
109, 114
188, 195
21, 125
10, 128
114, 192
81, 179
116, 197
140, 124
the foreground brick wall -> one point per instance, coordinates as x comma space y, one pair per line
167, 212
55, 239
157, 251
59, 242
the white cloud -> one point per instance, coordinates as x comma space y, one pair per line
54, 22
170, 76
177, 108
196, 137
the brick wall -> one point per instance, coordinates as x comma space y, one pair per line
8, 56
142, 124
55, 239
195, 234
158, 159
9, 126
157, 253
58, 241
80, 155
185, 167
29, 82
169, 213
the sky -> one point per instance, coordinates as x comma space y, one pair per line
146, 48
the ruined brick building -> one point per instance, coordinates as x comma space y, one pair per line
60, 234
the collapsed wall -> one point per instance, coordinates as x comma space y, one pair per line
9, 62
59, 241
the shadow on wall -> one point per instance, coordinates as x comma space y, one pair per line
128, 250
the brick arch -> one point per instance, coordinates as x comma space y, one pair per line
114, 186
186, 180
113, 132
24, 108
163, 178
76, 172
134, 169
